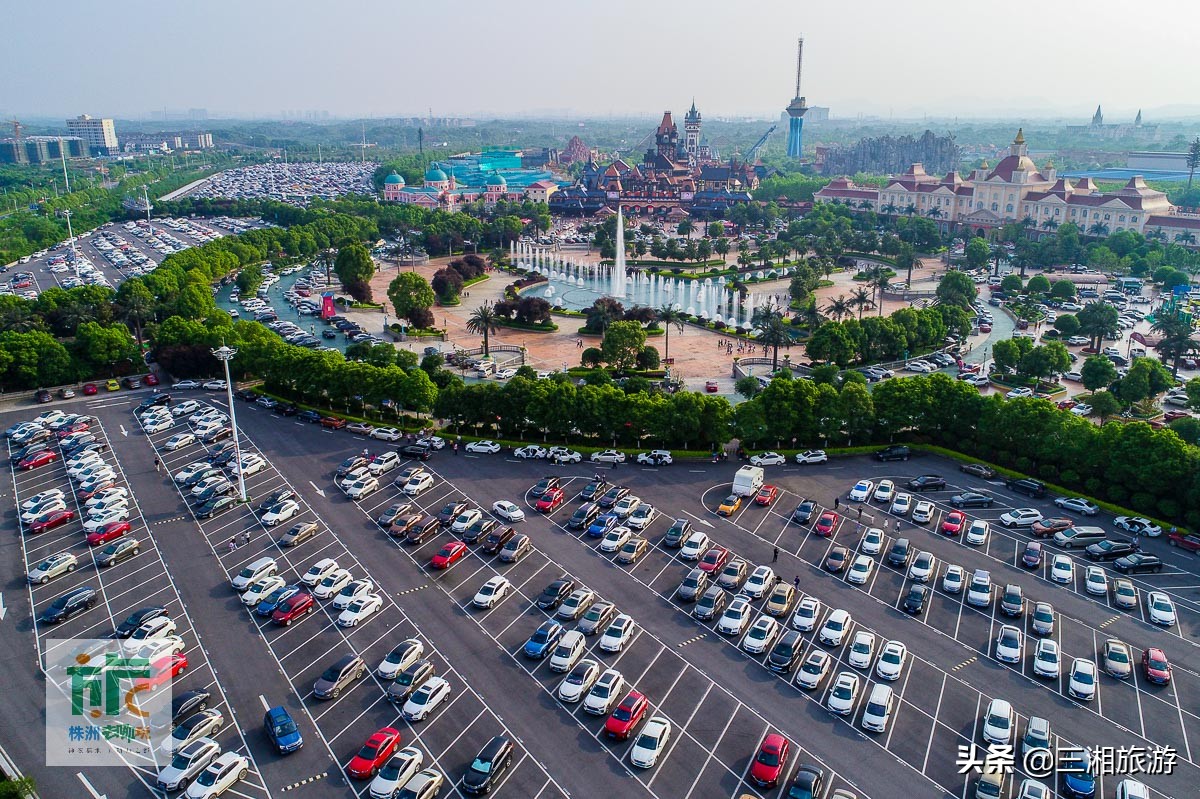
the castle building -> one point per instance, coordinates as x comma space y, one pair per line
489, 176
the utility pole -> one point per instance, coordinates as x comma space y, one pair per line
63, 155
146, 197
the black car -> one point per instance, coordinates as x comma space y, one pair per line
497, 539
418, 451
118, 551
246, 395
1109, 550
900, 552
914, 601
155, 399
613, 496
70, 603
27, 450
216, 505
311, 417
971, 499
328, 334
594, 490
979, 470
786, 652
349, 465
544, 485
489, 766
804, 512
897, 452
223, 458
583, 516
216, 435
1030, 488
200, 477
276, 496
927, 482
478, 530
1138, 563
808, 782
138, 618
450, 511
187, 703
553, 595
287, 410
212, 492
678, 533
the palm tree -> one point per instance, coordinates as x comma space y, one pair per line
670, 316
1050, 224
1185, 238
773, 330
134, 310
721, 246
878, 279
484, 321
862, 298
1158, 234
866, 205
810, 314
1098, 229
910, 209
935, 213
907, 259
685, 228
1193, 160
889, 208
19, 319
1176, 340
327, 258
839, 308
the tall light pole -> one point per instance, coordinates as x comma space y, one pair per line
146, 197
225, 355
71, 238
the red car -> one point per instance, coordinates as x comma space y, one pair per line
333, 422
163, 670
551, 500
1067, 405
89, 389
766, 495
826, 523
150, 379
107, 533
293, 608
771, 761
1155, 666
448, 555
1171, 416
38, 459
954, 523
627, 716
74, 427
970, 369
48, 521
1184, 541
714, 560
711, 387
374, 753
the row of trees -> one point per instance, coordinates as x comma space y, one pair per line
874, 339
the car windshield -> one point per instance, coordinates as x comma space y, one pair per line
998, 720
208, 776
768, 758
1083, 675
1156, 663
481, 766
367, 752
1118, 655
180, 762
622, 714
286, 727
420, 697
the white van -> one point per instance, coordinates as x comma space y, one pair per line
879, 708
748, 480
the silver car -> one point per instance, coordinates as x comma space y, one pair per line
54, 566
187, 763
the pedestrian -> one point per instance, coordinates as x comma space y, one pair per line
837, 502
796, 582
454, 448
614, 466
366, 452
245, 538
1136, 540
897, 525
775, 555
157, 465
860, 513
233, 543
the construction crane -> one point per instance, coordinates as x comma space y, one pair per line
752, 153
364, 144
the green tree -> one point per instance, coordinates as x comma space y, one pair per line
857, 411
1012, 284
410, 293
1038, 284
716, 229
1176, 338
1008, 353
353, 264
830, 342
977, 253
1104, 404
1063, 290
1193, 160
249, 279
1097, 320
622, 343
1097, 372
1046, 360
1067, 324
103, 346
669, 316
134, 305
956, 288
748, 386
195, 302
484, 321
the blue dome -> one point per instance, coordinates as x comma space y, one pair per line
393, 178
496, 180
435, 175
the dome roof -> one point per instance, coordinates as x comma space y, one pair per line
394, 178
435, 175
496, 179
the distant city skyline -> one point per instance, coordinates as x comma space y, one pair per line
919, 58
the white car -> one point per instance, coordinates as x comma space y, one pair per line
104, 506
651, 742
362, 487
117, 514
1161, 608
403, 655
191, 759
844, 694
214, 385
433, 692
923, 567
568, 651
872, 541
508, 511
893, 656
179, 440
619, 631
920, 367
814, 669
465, 520
604, 693
251, 463
862, 650
736, 617
1094, 581
655, 457
1046, 659
812, 456
642, 517
922, 512
57, 493
352, 476
222, 774
386, 434
761, 580
332, 584
835, 627
158, 648
319, 571
159, 424
1138, 526
396, 773
491, 592
1021, 517
418, 484
579, 681
432, 442
977, 533
52, 504
761, 636
1082, 409
1130, 788
978, 381
191, 470
860, 570
615, 538
383, 463
902, 504
261, 588
360, 610
862, 491
999, 721
505, 374
1009, 644
1062, 569
804, 617
627, 505
695, 546
1023, 391
151, 630
953, 579
353, 592
530, 451
1082, 684
768, 459
281, 513
885, 491
608, 456
186, 384
484, 447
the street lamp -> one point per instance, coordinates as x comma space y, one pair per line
225, 355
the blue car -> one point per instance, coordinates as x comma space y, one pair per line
602, 525
282, 730
543, 640
1078, 780
273, 600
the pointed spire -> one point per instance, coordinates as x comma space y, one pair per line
1020, 139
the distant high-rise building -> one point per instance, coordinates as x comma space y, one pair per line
796, 110
100, 134
198, 113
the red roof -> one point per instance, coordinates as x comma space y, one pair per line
1173, 221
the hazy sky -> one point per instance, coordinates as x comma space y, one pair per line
907, 58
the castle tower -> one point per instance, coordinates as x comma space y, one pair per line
796, 110
666, 138
1137, 121
691, 135
1097, 118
